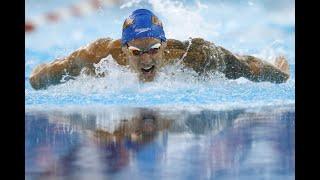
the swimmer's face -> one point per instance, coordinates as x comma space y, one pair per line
145, 57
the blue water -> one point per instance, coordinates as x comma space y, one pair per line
261, 28
177, 127
146, 143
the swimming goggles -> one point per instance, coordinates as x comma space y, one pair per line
138, 52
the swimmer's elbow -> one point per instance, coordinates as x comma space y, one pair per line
36, 83
37, 76
277, 79
284, 78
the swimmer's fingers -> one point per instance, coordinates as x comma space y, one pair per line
282, 63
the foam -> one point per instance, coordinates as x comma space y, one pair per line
261, 35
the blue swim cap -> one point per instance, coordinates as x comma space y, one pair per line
142, 23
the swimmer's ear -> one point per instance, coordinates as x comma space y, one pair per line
125, 49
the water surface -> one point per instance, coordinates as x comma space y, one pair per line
264, 29
160, 143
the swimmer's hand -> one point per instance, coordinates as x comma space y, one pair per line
282, 63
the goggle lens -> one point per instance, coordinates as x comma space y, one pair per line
137, 52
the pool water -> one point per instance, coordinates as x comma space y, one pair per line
157, 143
177, 127
261, 28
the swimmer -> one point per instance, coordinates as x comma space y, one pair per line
144, 48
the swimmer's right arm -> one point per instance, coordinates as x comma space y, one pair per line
51, 73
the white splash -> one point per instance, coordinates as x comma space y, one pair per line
244, 29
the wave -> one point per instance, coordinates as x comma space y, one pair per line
261, 35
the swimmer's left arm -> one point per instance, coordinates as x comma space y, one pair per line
203, 56
255, 69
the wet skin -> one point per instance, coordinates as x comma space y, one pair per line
146, 64
201, 56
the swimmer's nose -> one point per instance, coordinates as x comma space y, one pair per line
145, 59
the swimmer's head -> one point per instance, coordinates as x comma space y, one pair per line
143, 40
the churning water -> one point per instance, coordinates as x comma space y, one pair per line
261, 28
177, 127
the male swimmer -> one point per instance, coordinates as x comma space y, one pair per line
144, 47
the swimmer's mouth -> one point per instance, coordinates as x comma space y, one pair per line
147, 69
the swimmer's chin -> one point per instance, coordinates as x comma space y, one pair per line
147, 77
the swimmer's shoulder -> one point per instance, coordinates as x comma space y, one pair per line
174, 50
196, 53
115, 49
177, 48
104, 47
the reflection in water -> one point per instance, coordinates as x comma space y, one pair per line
140, 143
